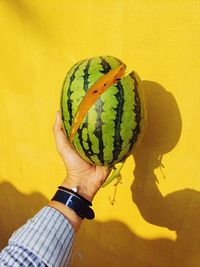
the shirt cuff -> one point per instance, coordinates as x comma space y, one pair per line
49, 236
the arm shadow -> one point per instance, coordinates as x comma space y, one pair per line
97, 243
113, 243
178, 211
15, 209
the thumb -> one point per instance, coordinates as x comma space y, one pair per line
61, 140
58, 123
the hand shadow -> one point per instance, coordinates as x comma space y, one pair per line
15, 209
178, 211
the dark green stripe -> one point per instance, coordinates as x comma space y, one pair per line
90, 148
106, 66
62, 96
98, 128
69, 92
112, 61
61, 99
88, 152
63, 102
118, 120
99, 109
86, 76
137, 110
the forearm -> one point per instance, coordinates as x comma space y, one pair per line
47, 238
71, 216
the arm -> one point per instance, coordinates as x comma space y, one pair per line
47, 239
86, 177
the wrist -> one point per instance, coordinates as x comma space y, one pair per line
84, 189
72, 205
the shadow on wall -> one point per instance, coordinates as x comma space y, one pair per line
113, 243
98, 244
178, 211
15, 209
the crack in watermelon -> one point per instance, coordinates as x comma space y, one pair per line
98, 88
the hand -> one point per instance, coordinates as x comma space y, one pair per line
87, 177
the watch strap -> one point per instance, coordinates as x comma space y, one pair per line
72, 201
75, 193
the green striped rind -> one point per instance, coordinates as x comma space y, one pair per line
112, 125
67, 91
129, 127
129, 121
143, 114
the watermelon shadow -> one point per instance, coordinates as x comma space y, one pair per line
178, 211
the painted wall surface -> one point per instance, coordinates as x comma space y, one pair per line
155, 221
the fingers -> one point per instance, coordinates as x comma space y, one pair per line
58, 122
106, 172
61, 140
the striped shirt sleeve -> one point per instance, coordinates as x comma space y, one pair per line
45, 240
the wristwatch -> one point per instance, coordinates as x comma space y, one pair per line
75, 202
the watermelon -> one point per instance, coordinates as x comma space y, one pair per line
102, 110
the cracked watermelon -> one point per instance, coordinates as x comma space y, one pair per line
102, 110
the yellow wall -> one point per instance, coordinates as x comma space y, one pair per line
154, 222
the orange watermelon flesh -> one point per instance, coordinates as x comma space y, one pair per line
98, 88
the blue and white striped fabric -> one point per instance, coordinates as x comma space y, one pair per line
45, 240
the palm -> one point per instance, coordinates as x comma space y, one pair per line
76, 166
